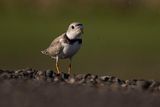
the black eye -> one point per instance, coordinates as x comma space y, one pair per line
72, 27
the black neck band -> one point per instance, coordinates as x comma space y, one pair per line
72, 41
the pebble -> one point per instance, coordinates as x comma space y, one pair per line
71, 80
89, 78
40, 75
104, 78
49, 73
79, 78
64, 76
142, 84
5, 75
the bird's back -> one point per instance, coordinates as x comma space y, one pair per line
55, 47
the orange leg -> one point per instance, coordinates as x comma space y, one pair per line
57, 66
69, 67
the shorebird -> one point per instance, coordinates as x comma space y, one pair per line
66, 45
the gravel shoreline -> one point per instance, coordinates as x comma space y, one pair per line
109, 82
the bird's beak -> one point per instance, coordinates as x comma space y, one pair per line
82, 30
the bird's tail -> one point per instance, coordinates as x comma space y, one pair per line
44, 52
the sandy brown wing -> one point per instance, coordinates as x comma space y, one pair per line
55, 47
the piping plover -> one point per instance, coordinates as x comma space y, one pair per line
66, 45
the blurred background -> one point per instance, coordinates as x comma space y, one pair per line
121, 37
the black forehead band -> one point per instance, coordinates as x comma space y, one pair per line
79, 24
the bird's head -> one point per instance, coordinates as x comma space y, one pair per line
75, 30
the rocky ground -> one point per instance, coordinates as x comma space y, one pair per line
32, 88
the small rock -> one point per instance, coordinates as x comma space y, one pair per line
17, 72
71, 80
104, 78
27, 69
116, 80
124, 85
154, 85
56, 79
131, 82
54, 74
64, 76
142, 84
49, 73
79, 77
27, 73
40, 75
30, 71
87, 76
90, 79
5, 75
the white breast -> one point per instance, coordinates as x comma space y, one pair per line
70, 50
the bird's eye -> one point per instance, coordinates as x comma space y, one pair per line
72, 27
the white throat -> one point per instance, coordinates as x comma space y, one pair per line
73, 35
